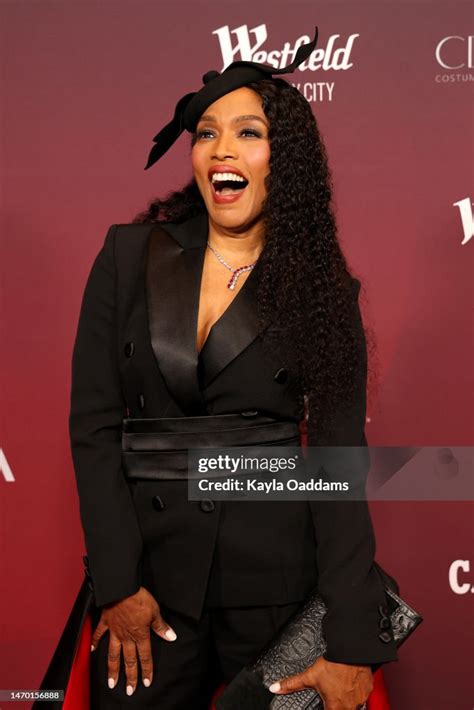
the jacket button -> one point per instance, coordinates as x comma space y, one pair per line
129, 349
207, 506
385, 637
383, 610
141, 401
157, 503
385, 623
281, 376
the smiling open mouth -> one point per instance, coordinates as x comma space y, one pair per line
228, 184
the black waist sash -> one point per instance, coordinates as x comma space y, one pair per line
157, 449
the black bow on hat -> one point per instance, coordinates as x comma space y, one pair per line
191, 106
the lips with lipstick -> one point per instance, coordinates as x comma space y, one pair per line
227, 181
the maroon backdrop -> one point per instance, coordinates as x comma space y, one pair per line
85, 87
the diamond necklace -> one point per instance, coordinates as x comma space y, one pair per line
235, 272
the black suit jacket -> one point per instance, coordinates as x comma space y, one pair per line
135, 355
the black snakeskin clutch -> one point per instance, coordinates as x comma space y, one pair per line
297, 647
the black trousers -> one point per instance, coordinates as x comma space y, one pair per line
187, 671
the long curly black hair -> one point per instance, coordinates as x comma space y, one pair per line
305, 289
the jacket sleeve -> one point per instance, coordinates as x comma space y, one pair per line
356, 627
112, 534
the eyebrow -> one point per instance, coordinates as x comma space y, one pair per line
237, 119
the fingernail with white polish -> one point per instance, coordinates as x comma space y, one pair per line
170, 634
129, 690
146, 682
274, 688
111, 683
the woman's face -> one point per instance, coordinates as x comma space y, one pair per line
232, 138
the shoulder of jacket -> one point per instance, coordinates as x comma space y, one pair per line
128, 237
130, 230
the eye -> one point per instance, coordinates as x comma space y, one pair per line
251, 131
201, 134
205, 133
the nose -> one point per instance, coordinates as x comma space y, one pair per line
224, 147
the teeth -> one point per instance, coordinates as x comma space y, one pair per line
219, 177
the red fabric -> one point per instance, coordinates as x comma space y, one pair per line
378, 699
218, 692
77, 696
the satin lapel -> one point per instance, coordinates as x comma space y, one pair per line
173, 277
231, 334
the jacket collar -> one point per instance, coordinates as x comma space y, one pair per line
175, 260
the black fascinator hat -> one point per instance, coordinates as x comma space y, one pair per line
191, 106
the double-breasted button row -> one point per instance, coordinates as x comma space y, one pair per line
206, 505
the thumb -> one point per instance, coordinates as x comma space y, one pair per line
291, 683
163, 629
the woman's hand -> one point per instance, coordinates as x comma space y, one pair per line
341, 686
128, 622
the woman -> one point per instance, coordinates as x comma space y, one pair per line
239, 303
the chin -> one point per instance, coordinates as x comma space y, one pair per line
229, 219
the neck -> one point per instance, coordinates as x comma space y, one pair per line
239, 244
